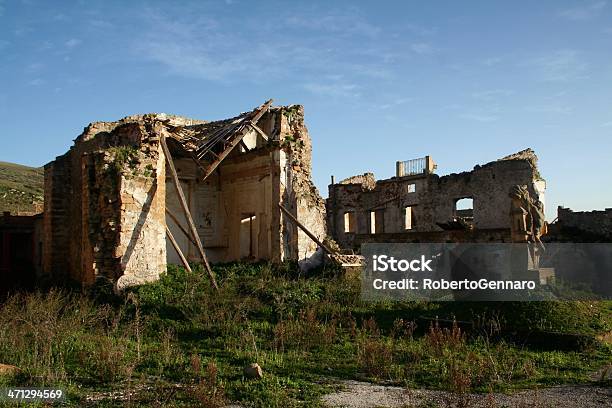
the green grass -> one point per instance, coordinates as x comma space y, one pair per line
20, 187
177, 342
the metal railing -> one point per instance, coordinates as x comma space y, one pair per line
411, 167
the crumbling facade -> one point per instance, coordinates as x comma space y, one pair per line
417, 205
584, 225
132, 196
110, 201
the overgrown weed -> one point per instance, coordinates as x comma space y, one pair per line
179, 334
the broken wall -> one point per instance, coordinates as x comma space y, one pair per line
597, 223
106, 199
432, 200
297, 191
236, 208
102, 218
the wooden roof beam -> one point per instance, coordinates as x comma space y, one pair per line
258, 130
237, 139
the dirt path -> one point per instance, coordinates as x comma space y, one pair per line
365, 395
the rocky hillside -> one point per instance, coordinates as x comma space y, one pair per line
21, 188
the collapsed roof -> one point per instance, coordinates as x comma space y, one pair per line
209, 143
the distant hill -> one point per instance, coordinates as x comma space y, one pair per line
21, 188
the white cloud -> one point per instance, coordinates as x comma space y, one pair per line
479, 117
395, 102
100, 24
192, 60
561, 65
332, 89
489, 62
340, 23
36, 82
422, 48
45, 45
584, 12
34, 67
22, 30
73, 42
491, 94
552, 107
193, 45
607, 124
420, 30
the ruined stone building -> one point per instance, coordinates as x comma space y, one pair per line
582, 226
418, 205
111, 205
112, 209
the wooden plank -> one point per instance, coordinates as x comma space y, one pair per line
244, 146
190, 223
178, 249
212, 166
178, 224
303, 228
262, 109
242, 132
258, 130
219, 136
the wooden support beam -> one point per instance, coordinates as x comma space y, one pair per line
178, 224
177, 249
258, 130
244, 146
191, 224
303, 228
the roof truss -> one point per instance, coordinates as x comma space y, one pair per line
215, 147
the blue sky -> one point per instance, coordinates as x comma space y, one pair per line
465, 82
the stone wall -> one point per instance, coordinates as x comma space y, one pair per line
598, 223
297, 192
456, 236
106, 199
432, 199
102, 218
142, 232
56, 225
